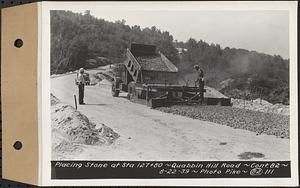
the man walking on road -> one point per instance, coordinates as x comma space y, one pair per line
81, 83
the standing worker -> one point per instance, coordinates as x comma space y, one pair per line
81, 83
200, 81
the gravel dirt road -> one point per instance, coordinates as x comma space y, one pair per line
148, 134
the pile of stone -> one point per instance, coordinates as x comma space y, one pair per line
255, 121
153, 63
261, 106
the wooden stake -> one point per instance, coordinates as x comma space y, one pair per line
75, 101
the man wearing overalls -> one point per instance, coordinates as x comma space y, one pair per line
200, 81
81, 84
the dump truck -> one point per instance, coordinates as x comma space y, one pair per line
149, 77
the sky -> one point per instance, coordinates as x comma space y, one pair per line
262, 31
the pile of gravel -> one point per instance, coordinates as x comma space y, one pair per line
71, 130
258, 122
77, 127
153, 63
262, 106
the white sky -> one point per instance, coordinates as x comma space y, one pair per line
262, 31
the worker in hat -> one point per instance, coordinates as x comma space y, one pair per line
81, 83
200, 81
200, 75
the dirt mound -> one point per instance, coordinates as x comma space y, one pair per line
261, 106
96, 78
53, 99
62, 146
280, 109
71, 129
104, 82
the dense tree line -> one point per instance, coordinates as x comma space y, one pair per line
238, 73
77, 38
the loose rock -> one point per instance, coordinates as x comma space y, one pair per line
258, 122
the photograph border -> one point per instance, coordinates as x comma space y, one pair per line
44, 89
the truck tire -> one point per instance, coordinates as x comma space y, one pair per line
115, 88
114, 91
131, 90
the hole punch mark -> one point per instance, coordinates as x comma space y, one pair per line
18, 43
18, 145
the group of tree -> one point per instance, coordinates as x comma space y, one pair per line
76, 38
238, 73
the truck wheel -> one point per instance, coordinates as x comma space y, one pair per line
129, 96
115, 87
114, 91
131, 90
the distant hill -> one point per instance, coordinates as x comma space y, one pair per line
237, 73
81, 40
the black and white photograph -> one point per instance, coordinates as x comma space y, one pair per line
170, 85
150, 93
122, 88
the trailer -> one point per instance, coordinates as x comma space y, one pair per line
151, 78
